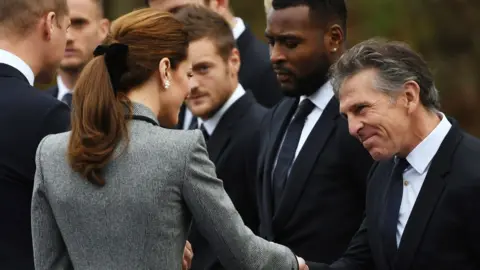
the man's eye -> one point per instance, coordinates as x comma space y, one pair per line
291, 44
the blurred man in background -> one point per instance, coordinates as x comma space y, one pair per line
255, 73
88, 29
32, 42
228, 116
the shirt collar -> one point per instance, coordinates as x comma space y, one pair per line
16, 62
239, 28
321, 97
211, 123
422, 155
62, 88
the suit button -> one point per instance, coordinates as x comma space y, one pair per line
405, 183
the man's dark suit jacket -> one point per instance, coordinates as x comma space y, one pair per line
235, 167
26, 116
53, 91
256, 73
324, 199
443, 231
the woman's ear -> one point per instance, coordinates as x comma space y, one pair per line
164, 67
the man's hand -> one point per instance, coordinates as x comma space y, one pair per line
187, 256
301, 264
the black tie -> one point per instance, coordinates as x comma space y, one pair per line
67, 99
286, 154
204, 132
193, 123
394, 200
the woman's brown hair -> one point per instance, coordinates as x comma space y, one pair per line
99, 112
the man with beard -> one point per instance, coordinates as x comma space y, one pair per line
255, 74
311, 172
228, 116
89, 28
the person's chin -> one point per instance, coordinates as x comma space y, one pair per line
290, 90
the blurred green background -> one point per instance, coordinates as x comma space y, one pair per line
445, 32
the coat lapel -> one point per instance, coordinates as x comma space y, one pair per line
427, 199
280, 119
223, 131
305, 162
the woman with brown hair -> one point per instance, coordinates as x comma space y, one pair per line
119, 190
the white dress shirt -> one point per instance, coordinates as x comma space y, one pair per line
237, 31
211, 123
16, 62
321, 98
62, 88
239, 28
414, 176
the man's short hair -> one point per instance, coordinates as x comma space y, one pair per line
325, 11
395, 62
20, 16
101, 7
201, 22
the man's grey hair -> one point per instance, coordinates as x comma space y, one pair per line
395, 62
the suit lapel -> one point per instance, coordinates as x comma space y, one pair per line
305, 162
427, 199
280, 119
223, 131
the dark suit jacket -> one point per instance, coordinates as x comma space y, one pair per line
256, 73
443, 231
27, 115
226, 148
324, 198
53, 91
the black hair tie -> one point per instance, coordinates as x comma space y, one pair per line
116, 61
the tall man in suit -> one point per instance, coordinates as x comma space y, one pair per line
311, 172
88, 29
228, 115
255, 73
423, 197
27, 115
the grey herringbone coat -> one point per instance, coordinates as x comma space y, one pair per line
141, 217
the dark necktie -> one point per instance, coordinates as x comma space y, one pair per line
286, 154
193, 123
67, 99
204, 132
394, 200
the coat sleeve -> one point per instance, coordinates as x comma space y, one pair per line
218, 221
49, 249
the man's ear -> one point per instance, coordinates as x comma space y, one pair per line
104, 29
412, 95
49, 23
219, 6
234, 61
334, 39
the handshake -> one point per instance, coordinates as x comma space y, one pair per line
188, 256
